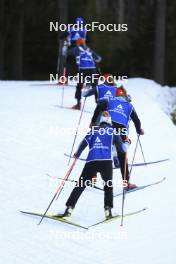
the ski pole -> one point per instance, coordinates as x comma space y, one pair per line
123, 196
142, 152
63, 86
76, 133
124, 192
65, 179
59, 189
134, 155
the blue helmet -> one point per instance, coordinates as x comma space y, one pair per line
79, 20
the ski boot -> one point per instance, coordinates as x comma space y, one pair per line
67, 213
77, 106
108, 213
130, 186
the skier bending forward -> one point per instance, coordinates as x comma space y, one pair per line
100, 141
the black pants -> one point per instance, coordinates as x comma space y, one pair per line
71, 65
121, 156
90, 170
83, 73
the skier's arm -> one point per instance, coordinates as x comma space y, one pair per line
101, 106
89, 92
81, 147
96, 57
137, 122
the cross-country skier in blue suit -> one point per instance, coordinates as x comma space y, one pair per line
100, 141
121, 112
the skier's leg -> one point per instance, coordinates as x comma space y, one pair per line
86, 175
121, 157
78, 91
94, 80
106, 174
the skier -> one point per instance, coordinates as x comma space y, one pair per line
99, 159
73, 34
102, 91
86, 60
121, 112
80, 32
106, 90
68, 42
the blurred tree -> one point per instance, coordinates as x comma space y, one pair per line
133, 17
13, 35
101, 5
159, 44
17, 36
2, 38
62, 19
171, 43
121, 11
40, 45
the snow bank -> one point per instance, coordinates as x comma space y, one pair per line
164, 96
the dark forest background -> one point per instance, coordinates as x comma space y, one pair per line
28, 50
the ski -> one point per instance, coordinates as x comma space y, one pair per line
115, 217
147, 163
60, 219
134, 165
63, 220
91, 185
142, 187
45, 84
52, 84
70, 108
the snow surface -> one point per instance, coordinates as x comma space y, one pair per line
32, 145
